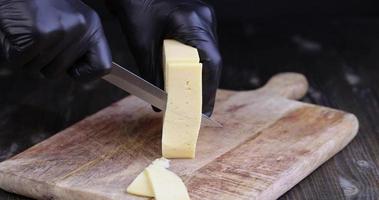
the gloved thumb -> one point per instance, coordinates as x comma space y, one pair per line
96, 62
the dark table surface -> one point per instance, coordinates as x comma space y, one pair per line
340, 58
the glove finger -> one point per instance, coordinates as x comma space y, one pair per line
47, 54
145, 41
96, 62
16, 33
189, 26
64, 43
147, 50
148, 55
65, 59
212, 64
211, 60
149, 59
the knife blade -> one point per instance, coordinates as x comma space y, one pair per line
135, 85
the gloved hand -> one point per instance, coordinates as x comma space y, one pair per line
146, 23
54, 37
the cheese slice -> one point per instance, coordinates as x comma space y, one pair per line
158, 182
141, 185
166, 184
183, 84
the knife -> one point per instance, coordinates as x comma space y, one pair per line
135, 85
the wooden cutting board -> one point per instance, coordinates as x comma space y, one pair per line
268, 144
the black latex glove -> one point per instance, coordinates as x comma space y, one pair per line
54, 37
147, 22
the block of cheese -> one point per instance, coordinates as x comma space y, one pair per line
183, 84
141, 185
166, 184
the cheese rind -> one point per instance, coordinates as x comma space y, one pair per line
182, 119
166, 184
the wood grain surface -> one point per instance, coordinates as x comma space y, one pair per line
268, 144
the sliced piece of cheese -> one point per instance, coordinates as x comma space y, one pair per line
141, 185
183, 84
166, 184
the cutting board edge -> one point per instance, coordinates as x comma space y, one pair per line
348, 118
42, 194
11, 180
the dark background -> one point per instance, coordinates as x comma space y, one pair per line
334, 43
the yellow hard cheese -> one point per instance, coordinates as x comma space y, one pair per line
158, 182
141, 185
174, 51
166, 185
181, 124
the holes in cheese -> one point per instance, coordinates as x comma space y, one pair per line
158, 182
183, 84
